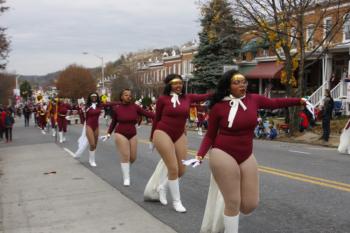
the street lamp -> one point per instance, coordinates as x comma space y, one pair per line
102, 70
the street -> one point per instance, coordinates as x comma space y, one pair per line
303, 188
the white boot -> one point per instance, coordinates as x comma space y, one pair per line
200, 132
162, 190
53, 132
126, 173
64, 137
175, 194
231, 224
60, 134
43, 132
92, 158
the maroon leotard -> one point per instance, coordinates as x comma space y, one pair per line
92, 115
172, 120
125, 118
238, 140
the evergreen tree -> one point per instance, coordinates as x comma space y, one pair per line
219, 42
25, 90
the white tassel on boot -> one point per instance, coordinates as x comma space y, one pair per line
126, 173
231, 224
92, 158
175, 194
61, 136
162, 190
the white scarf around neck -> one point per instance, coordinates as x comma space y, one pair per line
174, 99
234, 102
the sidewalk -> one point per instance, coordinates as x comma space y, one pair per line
43, 189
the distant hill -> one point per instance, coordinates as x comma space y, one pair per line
40, 80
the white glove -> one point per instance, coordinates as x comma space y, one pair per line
191, 162
67, 118
105, 137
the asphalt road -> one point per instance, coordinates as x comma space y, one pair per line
304, 188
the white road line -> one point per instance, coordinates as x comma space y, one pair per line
69, 152
300, 152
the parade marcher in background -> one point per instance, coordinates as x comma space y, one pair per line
53, 116
327, 110
26, 113
232, 120
92, 113
124, 119
62, 113
9, 121
42, 115
168, 134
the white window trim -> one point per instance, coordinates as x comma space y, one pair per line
346, 40
311, 42
324, 23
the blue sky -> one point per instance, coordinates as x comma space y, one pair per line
48, 35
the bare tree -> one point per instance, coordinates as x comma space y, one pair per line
284, 23
7, 84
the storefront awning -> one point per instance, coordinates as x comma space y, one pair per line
265, 70
244, 69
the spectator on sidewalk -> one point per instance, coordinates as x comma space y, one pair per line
327, 109
26, 112
9, 121
272, 134
303, 120
2, 123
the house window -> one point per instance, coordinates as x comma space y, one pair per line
346, 29
310, 30
327, 26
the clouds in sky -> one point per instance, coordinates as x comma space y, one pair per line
48, 35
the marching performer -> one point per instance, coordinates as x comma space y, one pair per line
52, 112
62, 113
92, 113
42, 116
168, 134
124, 119
232, 120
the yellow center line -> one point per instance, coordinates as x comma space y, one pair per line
292, 175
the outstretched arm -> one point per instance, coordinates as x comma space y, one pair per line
269, 103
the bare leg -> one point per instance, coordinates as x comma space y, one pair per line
123, 146
226, 173
181, 153
133, 149
90, 134
166, 149
249, 185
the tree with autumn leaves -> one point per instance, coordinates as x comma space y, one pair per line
283, 24
75, 82
7, 84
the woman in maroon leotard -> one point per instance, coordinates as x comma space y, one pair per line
232, 120
168, 134
92, 113
125, 117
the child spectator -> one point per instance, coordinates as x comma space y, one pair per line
303, 120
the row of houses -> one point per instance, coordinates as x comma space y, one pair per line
258, 61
